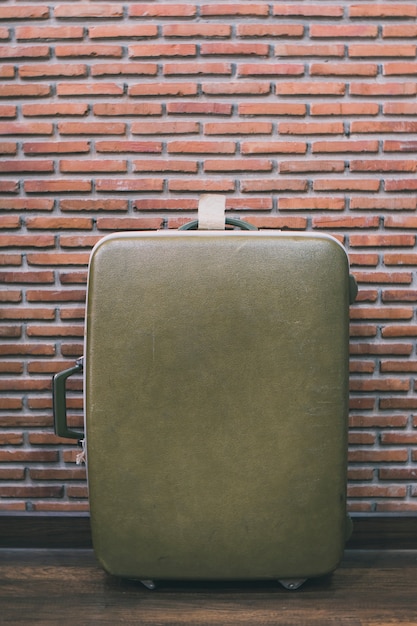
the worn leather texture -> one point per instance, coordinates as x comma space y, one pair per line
216, 400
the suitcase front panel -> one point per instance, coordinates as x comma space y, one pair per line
216, 404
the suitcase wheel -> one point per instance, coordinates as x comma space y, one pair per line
292, 584
149, 584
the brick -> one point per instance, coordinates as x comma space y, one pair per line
233, 10
378, 456
201, 147
234, 49
53, 70
115, 31
195, 69
143, 108
382, 240
385, 384
311, 89
346, 222
350, 146
398, 403
343, 69
399, 349
310, 10
27, 241
400, 259
30, 491
404, 330
48, 33
57, 147
54, 110
269, 30
57, 258
201, 185
398, 438
361, 439
150, 10
399, 30
237, 165
149, 50
232, 88
28, 456
133, 147
93, 204
15, 166
378, 421
400, 222
379, 491
384, 277
26, 128
346, 185
268, 185
383, 127
383, 10
86, 50
165, 128
273, 147
75, 166
388, 89
200, 30
8, 147
402, 68
271, 69
400, 185
142, 185
165, 165
315, 203
8, 111
271, 108
381, 50
135, 223
237, 128
199, 108
339, 31
24, 52
24, 12
26, 204
399, 146
404, 474
163, 89
309, 50
56, 186
383, 204
90, 89
24, 91
399, 295
92, 128
312, 128
97, 11
121, 69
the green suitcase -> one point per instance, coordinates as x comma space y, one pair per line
216, 404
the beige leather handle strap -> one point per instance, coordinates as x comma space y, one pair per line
211, 212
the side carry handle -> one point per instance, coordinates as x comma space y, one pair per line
60, 401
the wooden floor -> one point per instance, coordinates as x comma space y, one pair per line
68, 587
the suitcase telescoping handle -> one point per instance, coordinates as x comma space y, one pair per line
60, 401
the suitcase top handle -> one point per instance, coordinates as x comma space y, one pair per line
229, 221
211, 215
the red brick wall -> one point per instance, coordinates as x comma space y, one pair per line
118, 115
